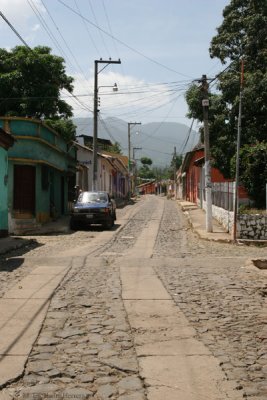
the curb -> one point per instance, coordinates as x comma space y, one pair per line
15, 246
200, 235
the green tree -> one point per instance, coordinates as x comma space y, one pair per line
243, 33
31, 82
116, 148
176, 162
145, 172
253, 169
146, 161
65, 127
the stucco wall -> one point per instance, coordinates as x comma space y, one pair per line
224, 217
41, 147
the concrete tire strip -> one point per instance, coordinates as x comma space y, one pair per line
173, 363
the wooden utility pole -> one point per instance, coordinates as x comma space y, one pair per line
107, 62
129, 153
236, 201
174, 173
208, 186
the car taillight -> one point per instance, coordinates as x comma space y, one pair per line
105, 210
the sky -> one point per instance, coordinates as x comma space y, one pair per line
163, 46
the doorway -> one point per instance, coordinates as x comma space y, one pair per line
24, 189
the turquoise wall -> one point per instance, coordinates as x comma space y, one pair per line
3, 190
41, 147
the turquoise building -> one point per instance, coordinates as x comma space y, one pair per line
6, 141
41, 173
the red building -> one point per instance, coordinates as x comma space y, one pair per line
191, 178
147, 188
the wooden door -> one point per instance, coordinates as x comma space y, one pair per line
24, 189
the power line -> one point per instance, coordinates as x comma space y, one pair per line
46, 27
88, 31
109, 26
121, 42
14, 30
23, 41
107, 129
187, 138
102, 37
62, 37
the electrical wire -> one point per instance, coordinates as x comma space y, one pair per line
49, 32
187, 138
46, 28
103, 123
96, 24
23, 41
87, 29
14, 30
62, 37
121, 42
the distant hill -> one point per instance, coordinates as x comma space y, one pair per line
157, 139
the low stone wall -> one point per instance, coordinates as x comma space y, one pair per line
224, 217
252, 226
249, 226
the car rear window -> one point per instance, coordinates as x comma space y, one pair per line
87, 197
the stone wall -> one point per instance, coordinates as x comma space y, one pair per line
249, 226
252, 226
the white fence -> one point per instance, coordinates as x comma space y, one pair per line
222, 195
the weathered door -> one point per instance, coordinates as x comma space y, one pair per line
24, 189
62, 195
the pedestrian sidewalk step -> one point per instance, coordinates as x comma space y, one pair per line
25, 226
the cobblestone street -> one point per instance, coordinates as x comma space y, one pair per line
86, 347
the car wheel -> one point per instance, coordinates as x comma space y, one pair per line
73, 225
109, 223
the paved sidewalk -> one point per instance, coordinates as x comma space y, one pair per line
23, 309
61, 225
197, 219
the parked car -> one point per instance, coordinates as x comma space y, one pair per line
93, 208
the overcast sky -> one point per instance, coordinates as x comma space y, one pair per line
163, 45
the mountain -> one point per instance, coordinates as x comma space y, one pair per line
157, 139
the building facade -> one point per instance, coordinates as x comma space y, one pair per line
41, 173
6, 141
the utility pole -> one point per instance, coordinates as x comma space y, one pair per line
135, 167
205, 105
174, 172
129, 150
236, 201
107, 62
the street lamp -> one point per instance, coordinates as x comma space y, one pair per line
129, 149
115, 88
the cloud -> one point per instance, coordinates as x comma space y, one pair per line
36, 27
19, 12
